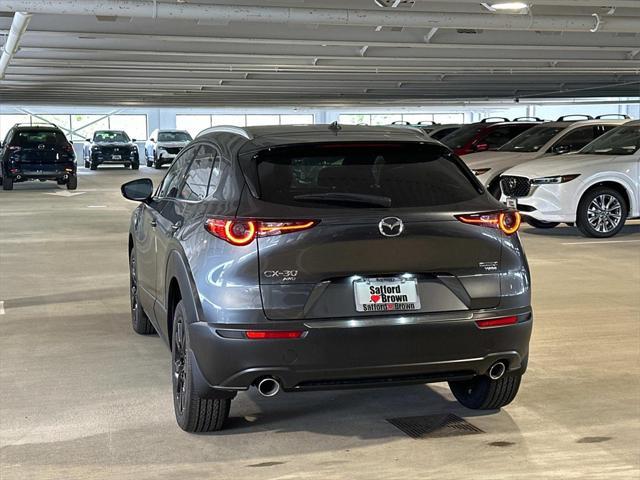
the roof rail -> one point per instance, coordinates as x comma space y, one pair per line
616, 115
495, 119
425, 122
522, 119
226, 129
565, 117
400, 122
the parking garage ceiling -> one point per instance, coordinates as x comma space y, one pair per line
317, 52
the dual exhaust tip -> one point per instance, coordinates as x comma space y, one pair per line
270, 387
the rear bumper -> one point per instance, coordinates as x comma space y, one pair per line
62, 171
355, 353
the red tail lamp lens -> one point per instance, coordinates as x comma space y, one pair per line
273, 334
497, 322
508, 221
243, 232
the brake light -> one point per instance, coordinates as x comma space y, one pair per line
273, 334
241, 232
497, 322
67, 148
507, 221
14, 148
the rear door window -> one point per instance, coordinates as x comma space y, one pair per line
197, 179
501, 135
577, 138
393, 174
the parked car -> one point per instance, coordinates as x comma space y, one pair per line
441, 131
163, 146
110, 147
597, 188
37, 152
487, 134
550, 138
319, 257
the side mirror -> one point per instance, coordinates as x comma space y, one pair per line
152, 140
481, 147
561, 149
139, 190
70, 142
87, 140
133, 140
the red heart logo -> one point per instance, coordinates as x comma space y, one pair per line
375, 298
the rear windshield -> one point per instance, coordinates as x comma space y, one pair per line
532, 140
394, 174
110, 136
27, 138
174, 137
462, 135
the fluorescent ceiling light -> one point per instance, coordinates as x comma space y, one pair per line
506, 6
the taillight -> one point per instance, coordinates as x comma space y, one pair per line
242, 232
507, 221
497, 322
273, 334
67, 148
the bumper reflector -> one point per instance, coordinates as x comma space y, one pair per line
272, 334
497, 322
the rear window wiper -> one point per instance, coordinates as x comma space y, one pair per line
336, 197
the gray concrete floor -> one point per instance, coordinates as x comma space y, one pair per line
83, 397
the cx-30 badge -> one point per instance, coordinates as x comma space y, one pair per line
391, 226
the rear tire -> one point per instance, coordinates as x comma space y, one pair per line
7, 183
540, 224
135, 166
482, 393
193, 413
601, 213
72, 183
139, 320
93, 166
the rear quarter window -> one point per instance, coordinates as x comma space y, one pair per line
409, 174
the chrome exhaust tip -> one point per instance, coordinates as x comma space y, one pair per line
497, 370
268, 387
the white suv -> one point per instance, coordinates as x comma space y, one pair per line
164, 145
597, 188
547, 139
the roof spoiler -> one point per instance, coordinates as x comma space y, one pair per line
528, 119
613, 115
567, 118
36, 124
494, 119
227, 129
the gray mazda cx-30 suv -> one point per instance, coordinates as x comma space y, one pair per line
325, 257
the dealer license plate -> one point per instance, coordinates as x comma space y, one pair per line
512, 203
386, 295
116, 157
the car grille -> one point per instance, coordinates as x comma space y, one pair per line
173, 150
515, 186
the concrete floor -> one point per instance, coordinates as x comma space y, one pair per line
83, 397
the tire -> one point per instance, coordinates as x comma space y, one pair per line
72, 183
482, 393
139, 320
135, 166
193, 413
87, 164
127, 165
540, 224
7, 183
149, 163
601, 213
156, 161
93, 166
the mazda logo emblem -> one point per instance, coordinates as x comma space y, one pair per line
391, 226
41, 146
512, 183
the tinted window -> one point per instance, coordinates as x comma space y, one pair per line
532, 140
197, 180
577, 139
174, 177
110, 136
400, 174
501, 135
173, 137
29, 138
443, 132
463, 135
620, 141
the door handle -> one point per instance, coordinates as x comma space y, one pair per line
153, 223
176, 226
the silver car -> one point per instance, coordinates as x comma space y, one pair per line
164, 145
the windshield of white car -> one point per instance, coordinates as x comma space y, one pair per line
531, 140
109, 136
619, 141
174, 137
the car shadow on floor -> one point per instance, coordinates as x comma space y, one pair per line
66, 297
564, 231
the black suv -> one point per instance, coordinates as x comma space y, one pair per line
318, 257
37, 152
110, 147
